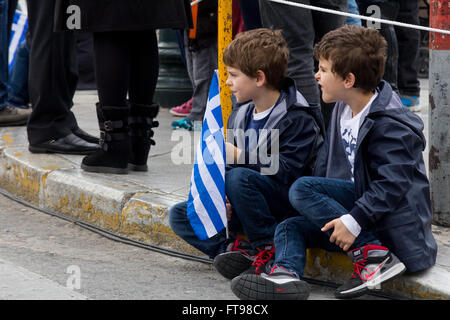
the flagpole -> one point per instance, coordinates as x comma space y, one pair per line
225, 14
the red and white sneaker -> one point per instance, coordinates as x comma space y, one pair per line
373, 265
280, 284
182, 110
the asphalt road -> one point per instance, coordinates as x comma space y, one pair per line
44, 257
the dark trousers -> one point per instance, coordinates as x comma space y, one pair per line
300, 28
403, 44
52, 75
250, 14
126, 62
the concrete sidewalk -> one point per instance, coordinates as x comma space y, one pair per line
136, 205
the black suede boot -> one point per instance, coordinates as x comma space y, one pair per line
114, 141
141, 123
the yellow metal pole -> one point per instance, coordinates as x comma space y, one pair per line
224, 38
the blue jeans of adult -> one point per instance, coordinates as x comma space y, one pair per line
258, 202
318, 201
3, 53
18, 78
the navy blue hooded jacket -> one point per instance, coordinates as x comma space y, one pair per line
390, 177
300, 131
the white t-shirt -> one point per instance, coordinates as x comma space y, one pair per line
349, 131
350, 127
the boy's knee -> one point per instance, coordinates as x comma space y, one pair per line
177, 215
300, 187
236, 177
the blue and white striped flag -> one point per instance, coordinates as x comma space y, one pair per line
206, 208
18, 30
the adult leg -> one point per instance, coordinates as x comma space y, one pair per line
143, 77
323, 23
204, 62
250, 14
7, 9
3, 53
18, 82
408, 46
389, 11
52, 76
112, 66
298, 30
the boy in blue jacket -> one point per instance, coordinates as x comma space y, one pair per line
274, 139
369, 192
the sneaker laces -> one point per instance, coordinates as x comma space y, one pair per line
262, 257
275, 267
358, 267
236, 246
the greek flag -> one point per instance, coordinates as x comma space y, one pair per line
206, 207
18, 30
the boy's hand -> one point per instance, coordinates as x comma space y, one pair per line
231, 152
229, 208
341, 236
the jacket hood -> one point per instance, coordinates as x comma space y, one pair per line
294, 100
389, 104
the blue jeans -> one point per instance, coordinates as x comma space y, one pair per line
18, 79
3, 53
180, 225
258, 202
318, 200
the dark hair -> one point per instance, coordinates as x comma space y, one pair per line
361, 51
259, 49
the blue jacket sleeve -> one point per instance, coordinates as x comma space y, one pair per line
390, 160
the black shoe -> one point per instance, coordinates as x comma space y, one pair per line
113, 155
242, 258
237, 258
70, 144
141, 122
85, 136
373, 265
280, 284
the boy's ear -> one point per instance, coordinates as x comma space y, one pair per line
349, 80
260, 78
